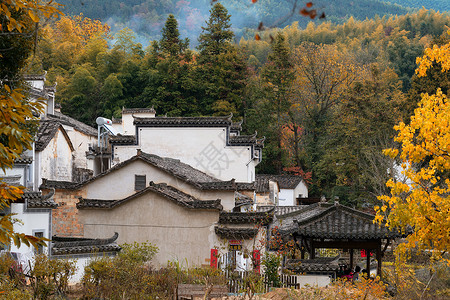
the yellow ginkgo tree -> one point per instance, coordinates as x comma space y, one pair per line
421, 201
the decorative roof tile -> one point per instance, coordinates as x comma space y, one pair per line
59, 185
241, 199
284, 181
123, 140
172, 166
164, 190
71, 245
37, 200
262, 218
236, 233
236, 126
23, 159
184, 121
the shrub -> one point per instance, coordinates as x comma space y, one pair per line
51, 276
271, 263
125, 276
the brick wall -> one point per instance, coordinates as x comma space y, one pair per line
65, 218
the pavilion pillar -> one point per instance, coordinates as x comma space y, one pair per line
368, 261
351, 258
378, 256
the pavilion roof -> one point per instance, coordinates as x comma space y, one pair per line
336, 222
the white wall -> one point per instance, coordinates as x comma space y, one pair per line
56, 160
286, 197
202, 148
31, 221
301, 189
80, 142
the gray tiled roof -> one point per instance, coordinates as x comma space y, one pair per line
321, 264
241, 199
175, 167
184, 121
262, 218
123, 140
66, 120
236, 233
73, 245
48, 184
323, 220
37, 200
284, 181
46, 131
164, 190
138, 110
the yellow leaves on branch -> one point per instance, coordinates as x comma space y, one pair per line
422, 200
436, 54
15, 112
34, 9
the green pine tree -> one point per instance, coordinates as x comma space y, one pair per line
277, 77
221, 69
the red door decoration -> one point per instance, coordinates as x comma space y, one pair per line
257, 261
213, 261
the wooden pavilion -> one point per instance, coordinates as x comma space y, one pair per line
324, 225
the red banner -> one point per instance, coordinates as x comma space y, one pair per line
257, 261
213, 261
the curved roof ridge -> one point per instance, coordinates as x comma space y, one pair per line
162, 189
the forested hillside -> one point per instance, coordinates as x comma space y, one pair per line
146, 17
437, 5
326, 97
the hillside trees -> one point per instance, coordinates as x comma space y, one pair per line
276, 79
170, 84
221, 70
422, 201
353, 166
323, 76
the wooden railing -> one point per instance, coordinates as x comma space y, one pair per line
236, 281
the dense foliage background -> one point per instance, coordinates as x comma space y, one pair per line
325, 94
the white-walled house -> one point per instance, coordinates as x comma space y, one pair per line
58, 153
182, 210
291, 189
211, 144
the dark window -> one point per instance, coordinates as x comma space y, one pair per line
139, 182
40, 248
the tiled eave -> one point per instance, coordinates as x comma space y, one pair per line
123, 140
339, 222
262, 218
63, 185
70, 245
37, 200
25, 160
236, 233
184, 122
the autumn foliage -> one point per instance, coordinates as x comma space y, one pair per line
421, 200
